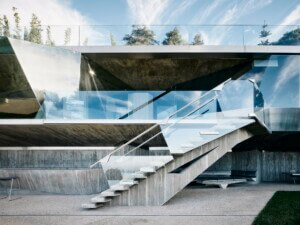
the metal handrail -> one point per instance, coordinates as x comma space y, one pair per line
158, 124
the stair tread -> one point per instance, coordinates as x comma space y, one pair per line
109, 193
129, 182
147, 169
91, 205
119, 187
100, 199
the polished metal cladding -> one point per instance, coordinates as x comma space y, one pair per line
17, 99
283, 119
49, 70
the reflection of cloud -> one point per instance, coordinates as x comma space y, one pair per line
289, 71
236, 95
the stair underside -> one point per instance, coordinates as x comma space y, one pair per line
156, 188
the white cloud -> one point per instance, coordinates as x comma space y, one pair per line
147, 12
202, 16
292, 19
58, 13
179, 9
230, 15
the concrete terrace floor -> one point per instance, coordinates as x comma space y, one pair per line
238, 204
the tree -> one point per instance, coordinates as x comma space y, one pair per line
198, 40
1, 26
86, 41
49, 40
289, 38
67, 36
112, 40
264, 33
26, 34
140, 35
6, 29
35, 34
18, 30
173, 38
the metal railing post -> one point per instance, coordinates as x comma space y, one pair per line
79, 35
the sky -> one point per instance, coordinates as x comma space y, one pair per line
159, 12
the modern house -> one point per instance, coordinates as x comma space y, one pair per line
136, 124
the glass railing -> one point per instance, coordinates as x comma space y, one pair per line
107, 35
139, 105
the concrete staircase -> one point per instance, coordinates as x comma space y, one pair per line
196, 139
159, 181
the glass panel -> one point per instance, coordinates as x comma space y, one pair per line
108, 35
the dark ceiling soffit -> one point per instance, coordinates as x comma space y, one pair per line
214, 79
106, 78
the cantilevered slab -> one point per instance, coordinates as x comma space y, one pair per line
37, 132
177, 50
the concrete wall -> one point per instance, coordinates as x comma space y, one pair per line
50, 158
270, 166
72, 158
58, 181
54, 171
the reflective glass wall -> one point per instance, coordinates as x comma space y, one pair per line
277, 92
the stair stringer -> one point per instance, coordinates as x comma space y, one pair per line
161, 186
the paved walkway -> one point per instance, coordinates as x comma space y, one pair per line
236, 205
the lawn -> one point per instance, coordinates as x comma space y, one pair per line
282, 209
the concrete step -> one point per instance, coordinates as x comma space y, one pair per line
109, 193
100, 199
128, 183
137, 176
157, 164
147, 169
119, 187
177, 154
209, 132
188, 145
91, 205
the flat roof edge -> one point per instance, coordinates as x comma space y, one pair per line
173, 49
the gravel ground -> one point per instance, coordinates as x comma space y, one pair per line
238, 204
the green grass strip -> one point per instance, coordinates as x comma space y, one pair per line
282, 209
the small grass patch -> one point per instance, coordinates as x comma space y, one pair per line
282, 209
